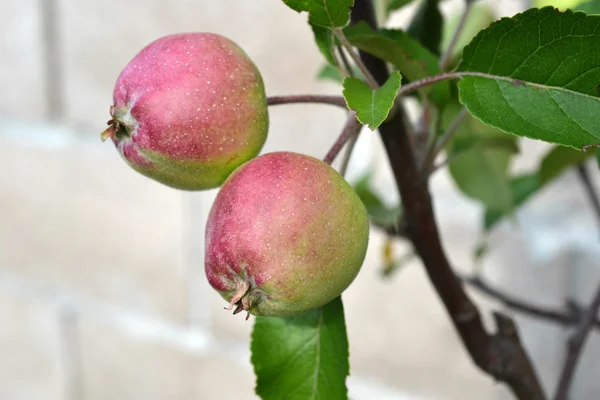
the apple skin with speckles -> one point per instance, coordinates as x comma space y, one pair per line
188, 110
286, 234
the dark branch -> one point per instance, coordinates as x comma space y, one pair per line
351, 128
584, 176
307, 98
500, 355
569, 316
446, 57
575, 346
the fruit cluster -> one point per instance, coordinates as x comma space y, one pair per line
286, 233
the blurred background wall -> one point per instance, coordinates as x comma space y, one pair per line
102, 289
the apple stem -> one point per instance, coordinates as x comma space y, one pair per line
241, 289
239, 308
110, 131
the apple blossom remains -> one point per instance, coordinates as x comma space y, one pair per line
287, 234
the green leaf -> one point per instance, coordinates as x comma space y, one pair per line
372, 106
480, 172
326, 43
542, 68
590, 7
395, 46
553, 164
378, 212
302, 357
327, 72
393, 5
468, 143
427, 24
558, 160
325, 13
522, 188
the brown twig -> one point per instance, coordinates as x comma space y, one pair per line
575, 346
348, 153
346, 67
569, 316
584, 176
339, 33
438, 146
447, 56
501, 354
351, 129
307, 98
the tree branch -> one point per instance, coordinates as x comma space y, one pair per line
348, 153
307, 98
351, 129
346, 67
438, 146
500, 355
446, 57
584, 176
575, 346
357, 60
568, 317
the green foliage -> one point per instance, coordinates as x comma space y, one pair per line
522, 188
392, 5
427, 25
378, 212
558, 160
327, 72
302, 357
372, 106
325, 13
480, 157
410, 57
590, 7
542, 68
325, 41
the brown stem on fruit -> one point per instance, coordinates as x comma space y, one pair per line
239, 308
109, 132
113, 125
499, 354
241, 290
